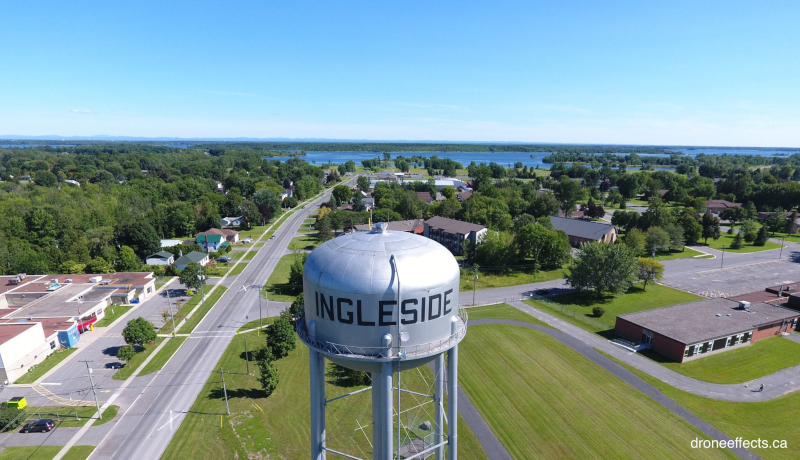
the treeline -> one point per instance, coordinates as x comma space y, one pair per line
708, 165
130, 196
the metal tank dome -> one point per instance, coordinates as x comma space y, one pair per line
378, 296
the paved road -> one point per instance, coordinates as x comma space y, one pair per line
735, 275
144, 430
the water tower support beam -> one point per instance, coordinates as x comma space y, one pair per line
439, 403
452, 398
316, 364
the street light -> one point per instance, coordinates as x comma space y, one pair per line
723, 257
474, 282
202, 279
781, 254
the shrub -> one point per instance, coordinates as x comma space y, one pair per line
598, 311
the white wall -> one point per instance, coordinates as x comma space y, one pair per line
23, 351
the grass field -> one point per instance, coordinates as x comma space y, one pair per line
740, 365
489, 279
163, 355
678, 254
726, 240
78, 453
239, 268
794, 238
67, 414
48, 363
305, 242
771, 420
131, 366
502, 311
197, 316
255, 323
282, 429
543, 400
30, 452
111, 314
250, 255
634, 300
278, 287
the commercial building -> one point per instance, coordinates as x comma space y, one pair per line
452, 233
22, 346
583, 231
690, 330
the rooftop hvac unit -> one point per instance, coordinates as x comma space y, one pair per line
744, 305
54, 280
95, 279
68, 280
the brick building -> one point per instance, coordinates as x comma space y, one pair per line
690, 330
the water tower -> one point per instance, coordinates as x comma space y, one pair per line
384, 302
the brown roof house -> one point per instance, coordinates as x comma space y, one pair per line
584, 231
717, 206
452, 233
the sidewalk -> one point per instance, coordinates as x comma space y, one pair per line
778, 384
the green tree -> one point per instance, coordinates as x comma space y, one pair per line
268, 203
281, 336
749, 230
138, 332
126, 353
342, 193
45, 178
545, 247
296, 271
358, 202
193, 276
297, 309
568, 193
692, 229
97, 265
127, 260
363, 183
10, 417
733, 215
649, 270
737, 242
762, 237
251, 215
657, 240
676, 236
343, 376
791, 223
710, 225
635, 240
140, 236
619, 269
267, 371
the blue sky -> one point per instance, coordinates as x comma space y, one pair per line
696, 73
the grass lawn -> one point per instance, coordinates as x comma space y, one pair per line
490, 279
679, 254
726, 240
278, 287
78, 453
30, 452
773, 419
131, 366
544, 400
502, 311
255, 323
163, 356
637, 203
67, 414
254, 232
282, 429
634, 300
239, 268
198, 316
740, 365
308, 242
250, 255
793, 238
48, 363
112, 313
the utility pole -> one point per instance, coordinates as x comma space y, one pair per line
246, 356
202, 279
225, 392
781, 254
169, 302
474, 283
91, 382
260, 320
722, 263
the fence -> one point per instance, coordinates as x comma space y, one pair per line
567, 311
494, 301
58, 416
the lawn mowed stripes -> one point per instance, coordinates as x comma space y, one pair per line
544, 400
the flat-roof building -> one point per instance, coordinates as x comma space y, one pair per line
584, 231
686, 331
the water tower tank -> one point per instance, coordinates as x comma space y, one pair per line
382, 302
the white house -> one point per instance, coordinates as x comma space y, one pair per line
160, 258
232, 221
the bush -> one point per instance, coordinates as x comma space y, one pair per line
737, 241
228, 248
9, 417
281, 337
598, 311
139, 331
268, 373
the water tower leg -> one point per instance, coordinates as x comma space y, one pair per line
438, 398
452, 403
317, 388
382, 413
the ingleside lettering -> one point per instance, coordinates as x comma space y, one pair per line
349, 311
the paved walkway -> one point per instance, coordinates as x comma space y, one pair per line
778, 384
626, 376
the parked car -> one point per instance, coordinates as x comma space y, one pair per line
224, 259
42, 425
541, 291
303, 207
247, 240
272, 237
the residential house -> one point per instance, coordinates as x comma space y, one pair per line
452, 233
232, 221
717, 206
199, 258
583, 231
160, 258
214, 239
426, 197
